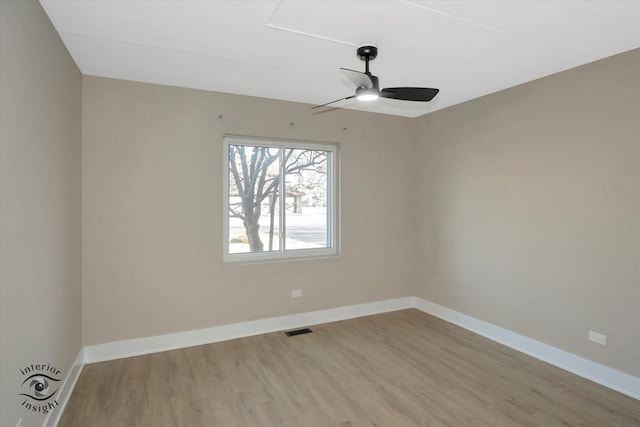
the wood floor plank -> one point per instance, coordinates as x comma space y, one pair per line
404, 368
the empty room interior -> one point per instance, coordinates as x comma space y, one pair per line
320, 213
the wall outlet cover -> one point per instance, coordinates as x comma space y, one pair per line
598, 338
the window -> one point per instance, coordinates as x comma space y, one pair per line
280, 199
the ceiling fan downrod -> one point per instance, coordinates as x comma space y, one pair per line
366, 53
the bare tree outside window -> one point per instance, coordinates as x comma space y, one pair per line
260, 214
254, 176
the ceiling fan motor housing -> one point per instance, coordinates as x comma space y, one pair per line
374, 82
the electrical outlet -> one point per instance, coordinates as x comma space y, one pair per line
597, 338
297, 293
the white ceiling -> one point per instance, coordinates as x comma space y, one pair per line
292, 50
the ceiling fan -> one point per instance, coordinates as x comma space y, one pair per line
368, 88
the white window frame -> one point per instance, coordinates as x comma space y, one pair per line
333, 201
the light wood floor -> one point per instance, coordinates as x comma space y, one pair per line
404, 368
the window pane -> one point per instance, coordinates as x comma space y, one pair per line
279, 197
306, 200
254, 224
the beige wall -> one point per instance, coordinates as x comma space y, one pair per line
152, 211
40, 246
530, 209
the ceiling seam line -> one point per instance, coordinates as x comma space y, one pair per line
185, 52
273, 12
315, 36
500, 30
459, 18
268, 24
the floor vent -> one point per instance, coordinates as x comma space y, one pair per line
298, 332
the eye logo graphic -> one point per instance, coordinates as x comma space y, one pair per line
39, 386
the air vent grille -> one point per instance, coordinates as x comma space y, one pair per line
298, 332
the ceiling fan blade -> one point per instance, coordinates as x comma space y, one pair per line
422, 94
341, 99
358, 78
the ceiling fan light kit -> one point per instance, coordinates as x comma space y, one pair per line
364, 94
368, 87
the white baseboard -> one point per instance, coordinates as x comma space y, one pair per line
140, 346
608, 377
65, 390
601, 374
